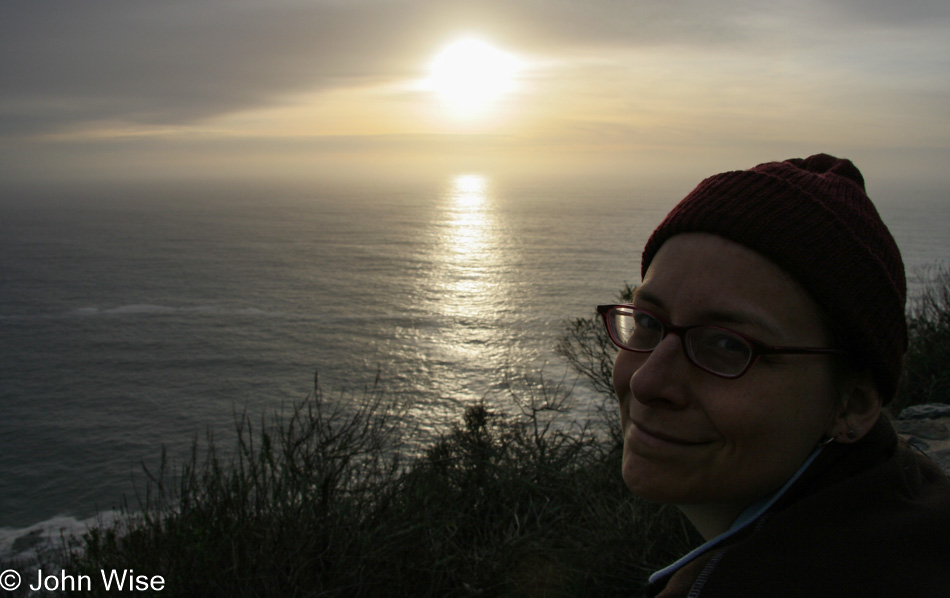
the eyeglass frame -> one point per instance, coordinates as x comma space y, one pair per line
758, 348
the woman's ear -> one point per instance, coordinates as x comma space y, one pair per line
859, 407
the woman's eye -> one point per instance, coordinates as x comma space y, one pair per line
647, 322
724, 342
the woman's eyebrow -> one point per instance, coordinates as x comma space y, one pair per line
639, 293
724, 316
743, 317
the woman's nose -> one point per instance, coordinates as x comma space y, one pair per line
661, 377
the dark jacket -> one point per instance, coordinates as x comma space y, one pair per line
870, 519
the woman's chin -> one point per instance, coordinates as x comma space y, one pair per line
645, 479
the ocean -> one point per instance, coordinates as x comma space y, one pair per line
133, 319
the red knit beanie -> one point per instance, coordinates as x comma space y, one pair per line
812, 218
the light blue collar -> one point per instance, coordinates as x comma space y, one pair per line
747, 516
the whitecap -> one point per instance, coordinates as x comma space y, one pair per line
27, 543
141, 308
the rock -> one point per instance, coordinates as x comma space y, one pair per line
922, 428
926, 411
918, 444
942, 458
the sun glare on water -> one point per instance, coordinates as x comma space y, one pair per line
469, 75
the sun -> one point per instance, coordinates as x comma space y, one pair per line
469, 75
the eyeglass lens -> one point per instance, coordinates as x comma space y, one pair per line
713, 349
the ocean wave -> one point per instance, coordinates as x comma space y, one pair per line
27, 543
151, 308
137, 308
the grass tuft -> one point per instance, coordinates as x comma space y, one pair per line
926, 376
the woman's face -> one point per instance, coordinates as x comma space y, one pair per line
692, 438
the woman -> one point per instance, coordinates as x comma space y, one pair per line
765, 337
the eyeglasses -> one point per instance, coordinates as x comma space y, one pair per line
719, 351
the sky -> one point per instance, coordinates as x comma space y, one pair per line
304, 89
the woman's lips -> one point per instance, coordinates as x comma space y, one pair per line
655, 437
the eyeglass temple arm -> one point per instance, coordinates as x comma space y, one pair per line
803, 350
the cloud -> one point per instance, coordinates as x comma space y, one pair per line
172, 61
179, 61
890, 14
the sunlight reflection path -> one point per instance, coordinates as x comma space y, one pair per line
466, 293
468, 276
467, 326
